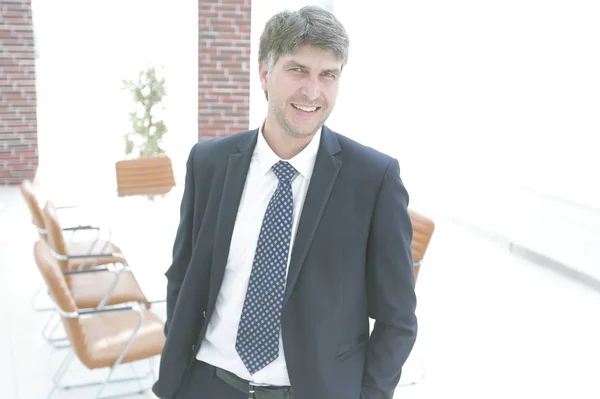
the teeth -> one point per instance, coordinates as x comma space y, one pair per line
305, 109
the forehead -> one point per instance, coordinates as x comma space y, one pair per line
312, 57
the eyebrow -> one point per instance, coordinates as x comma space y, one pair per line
288, 64
335, 71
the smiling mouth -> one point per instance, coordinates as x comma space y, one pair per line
306, 108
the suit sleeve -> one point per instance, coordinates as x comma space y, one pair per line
390, 289
182, 248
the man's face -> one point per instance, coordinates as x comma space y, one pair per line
302, 89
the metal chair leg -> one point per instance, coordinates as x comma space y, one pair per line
152, 366
133, 371
122, 355
64, 366
35, 299
57, 343
60, 372
68, 359
418, 379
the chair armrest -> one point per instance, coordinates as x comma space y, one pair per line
112, 267
98, 231
65, 207
80, 227
88, 312
99, 255
123, 307
111, 309
93, 269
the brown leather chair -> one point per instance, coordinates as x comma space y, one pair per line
72, 257
93, 286
100, 338
423, 228
71, 247
151, 175
94, 279
34, 207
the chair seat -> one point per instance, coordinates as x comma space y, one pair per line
89, 288
107, 334
83, 247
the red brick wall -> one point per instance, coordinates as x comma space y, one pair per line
223, 67
18, 117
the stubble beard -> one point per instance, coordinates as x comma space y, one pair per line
289, 128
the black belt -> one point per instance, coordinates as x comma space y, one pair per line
254, 391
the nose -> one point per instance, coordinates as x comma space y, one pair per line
311, 89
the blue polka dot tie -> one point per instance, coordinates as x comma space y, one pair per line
257, 340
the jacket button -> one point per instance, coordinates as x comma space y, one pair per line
204, 314
193, 348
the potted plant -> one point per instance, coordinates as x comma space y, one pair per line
148, 170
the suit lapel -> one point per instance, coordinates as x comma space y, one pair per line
324, 175
235, 178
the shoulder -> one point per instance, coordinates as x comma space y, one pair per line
362, 158
369, 170
220, 148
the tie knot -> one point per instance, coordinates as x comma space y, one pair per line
284, 171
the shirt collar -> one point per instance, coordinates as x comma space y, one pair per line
303, 162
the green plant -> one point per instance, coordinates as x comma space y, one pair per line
147, 125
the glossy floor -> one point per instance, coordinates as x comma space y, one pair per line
492, 325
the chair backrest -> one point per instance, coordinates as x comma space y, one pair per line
55, 237
34, 207
422, 231
145, 176
60, 292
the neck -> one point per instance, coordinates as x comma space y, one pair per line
285, 146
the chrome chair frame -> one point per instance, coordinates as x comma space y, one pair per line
62, 369
42, 231
62, 342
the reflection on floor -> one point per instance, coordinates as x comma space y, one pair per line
492, 325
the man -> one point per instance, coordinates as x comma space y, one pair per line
291, 237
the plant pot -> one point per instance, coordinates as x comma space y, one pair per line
151, 175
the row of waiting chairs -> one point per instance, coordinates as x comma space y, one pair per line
104, 313
102, 308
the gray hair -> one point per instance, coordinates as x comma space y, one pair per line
311, 25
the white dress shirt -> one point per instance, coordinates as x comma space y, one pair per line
218, 346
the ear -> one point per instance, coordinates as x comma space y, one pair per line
263, 72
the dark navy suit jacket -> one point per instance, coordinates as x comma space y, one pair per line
351, 260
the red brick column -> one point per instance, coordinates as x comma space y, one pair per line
223, 67
18, 116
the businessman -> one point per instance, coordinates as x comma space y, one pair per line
291, 237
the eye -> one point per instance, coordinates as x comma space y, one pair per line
329, 75
297, 69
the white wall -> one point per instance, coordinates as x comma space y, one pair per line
492, 108
456, 90
466, 90
85, 51
470, 89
